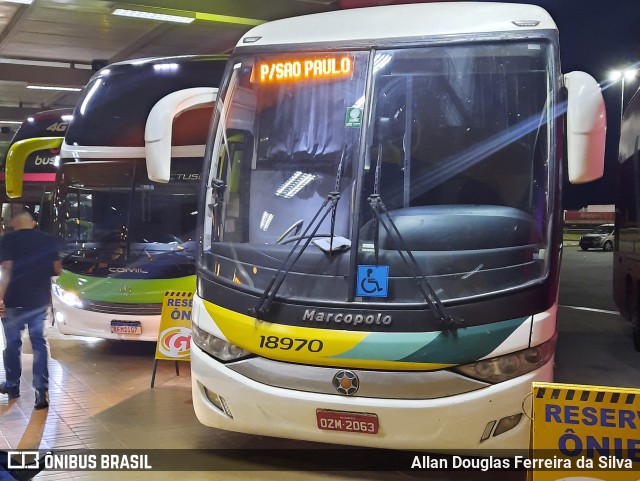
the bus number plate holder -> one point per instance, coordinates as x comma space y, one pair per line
330, 420
126, 327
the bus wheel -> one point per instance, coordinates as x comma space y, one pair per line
608, 246
635, 329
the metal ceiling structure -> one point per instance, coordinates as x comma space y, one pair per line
54, 42
60, 43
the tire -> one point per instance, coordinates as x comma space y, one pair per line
584, 248
608, 246
635, 329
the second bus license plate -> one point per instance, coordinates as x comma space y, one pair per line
330, 420
126, 327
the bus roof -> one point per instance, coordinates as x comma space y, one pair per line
176, 59
113, 108
399, 22
43, 124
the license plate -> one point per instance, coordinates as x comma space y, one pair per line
329, 420
126, 327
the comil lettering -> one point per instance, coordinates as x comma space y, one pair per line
305, 69
124, 270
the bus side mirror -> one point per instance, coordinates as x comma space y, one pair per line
158, 129
586, 128
17, 157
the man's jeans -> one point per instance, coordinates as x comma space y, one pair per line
13, 323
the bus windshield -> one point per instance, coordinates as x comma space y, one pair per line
114, 208
454, 140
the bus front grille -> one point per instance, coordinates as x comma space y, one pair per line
122, 309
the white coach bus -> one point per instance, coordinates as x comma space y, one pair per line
381, 225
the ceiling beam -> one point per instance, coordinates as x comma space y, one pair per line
17, 113
9, 31
142, 42
35, 74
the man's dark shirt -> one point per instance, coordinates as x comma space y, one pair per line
33, 253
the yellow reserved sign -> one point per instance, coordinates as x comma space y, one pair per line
174, 336
587, 433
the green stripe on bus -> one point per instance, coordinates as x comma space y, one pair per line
124, 291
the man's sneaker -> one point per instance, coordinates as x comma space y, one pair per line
42, 400
13, 392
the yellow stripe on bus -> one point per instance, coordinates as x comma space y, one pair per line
304, 345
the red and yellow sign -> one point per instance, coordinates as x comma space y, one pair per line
174, 337
586, 433
308, 68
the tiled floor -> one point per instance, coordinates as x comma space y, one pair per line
101, 398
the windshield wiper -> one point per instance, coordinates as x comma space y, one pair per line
276, 281
329, 205
336, 190
424, 286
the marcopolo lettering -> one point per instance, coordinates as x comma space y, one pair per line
354, 319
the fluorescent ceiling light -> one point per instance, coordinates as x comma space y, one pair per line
45, 63
177, 15
213, 17
24, 2
37, 63
163, 17
50, 87
17, 122
294, 184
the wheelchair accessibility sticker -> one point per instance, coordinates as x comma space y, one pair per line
373, 281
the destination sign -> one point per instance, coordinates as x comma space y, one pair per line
308, 68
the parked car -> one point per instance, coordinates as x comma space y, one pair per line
599, 238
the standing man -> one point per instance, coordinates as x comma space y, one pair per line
29, 259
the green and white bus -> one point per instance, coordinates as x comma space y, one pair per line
129, 239
380, 226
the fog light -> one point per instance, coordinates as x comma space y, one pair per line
487, 431
60, 318
214, 398
507, 423
217, 401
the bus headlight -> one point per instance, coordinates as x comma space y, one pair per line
216, 347
509, 366
67, 297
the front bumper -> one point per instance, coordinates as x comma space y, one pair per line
591, 243
446, 424
81, 322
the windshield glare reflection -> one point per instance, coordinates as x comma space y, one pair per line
457, 147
